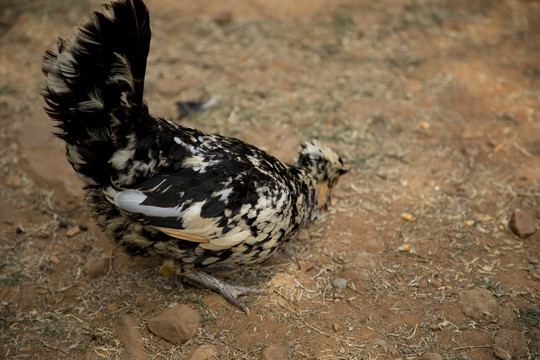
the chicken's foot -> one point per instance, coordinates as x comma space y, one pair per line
228, 291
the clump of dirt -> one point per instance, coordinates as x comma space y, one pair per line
434, 104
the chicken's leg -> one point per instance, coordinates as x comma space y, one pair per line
228, 291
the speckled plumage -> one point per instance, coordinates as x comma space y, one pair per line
156, 187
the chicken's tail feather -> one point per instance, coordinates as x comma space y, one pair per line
95, 79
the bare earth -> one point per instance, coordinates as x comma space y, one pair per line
434, 104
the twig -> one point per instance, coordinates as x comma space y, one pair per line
522, 150
472, 347
531, 195
54, 347
406, 337
314, 328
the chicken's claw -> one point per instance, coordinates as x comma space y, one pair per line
228, 291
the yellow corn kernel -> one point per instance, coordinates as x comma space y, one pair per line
407, 217
165, 271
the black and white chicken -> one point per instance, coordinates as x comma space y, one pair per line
158, 188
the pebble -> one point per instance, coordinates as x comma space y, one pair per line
96, 268
356, 269
511, 343
7, 293
203, 352
176, 325
305, 267
14, 181
436, 283
476, 302
129, 334
302, 236
340, 283
522, 224
72, 231
501, 354
223, 17
274, 352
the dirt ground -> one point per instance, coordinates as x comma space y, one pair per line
434, 104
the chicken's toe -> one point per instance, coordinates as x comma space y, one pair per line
228, 291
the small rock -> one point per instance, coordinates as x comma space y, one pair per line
54, 259
176, 325
340, 283
436, 283
97, 268
522, 224
203, 352
72, 231
13, 181
223, 17
501, 354
430, 356
476, 302
274, 352
131, 337
112, 307
7, 293
434, 327
511, 341
302, 236
305, 267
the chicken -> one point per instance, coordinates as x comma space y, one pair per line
160, 189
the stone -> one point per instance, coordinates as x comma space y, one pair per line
476, 302
97, 268
223, 17
357, 268
129, 334
510, 342
522, 224
274, 352
72, 231
7, 293
340, 283
502, 354
203, 352
176, 325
